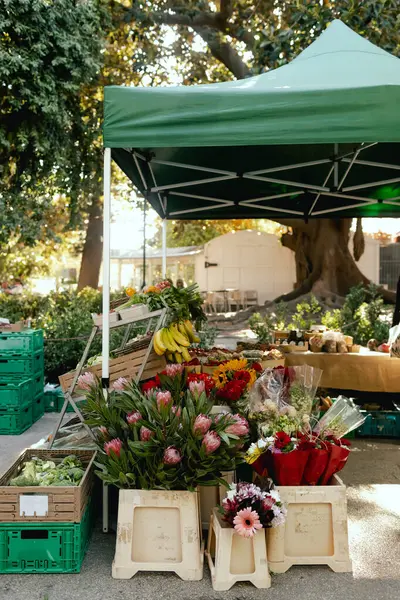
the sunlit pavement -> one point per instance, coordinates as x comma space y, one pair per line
373, 480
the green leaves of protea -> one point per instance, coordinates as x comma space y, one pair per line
155, 433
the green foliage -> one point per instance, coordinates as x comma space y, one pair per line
207, 335
141, 464
50, 53
262, 326
307, 313
61, 315
365, 316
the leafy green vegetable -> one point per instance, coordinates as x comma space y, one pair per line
39, 472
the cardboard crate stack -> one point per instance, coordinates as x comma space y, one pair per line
46, 529
21, 380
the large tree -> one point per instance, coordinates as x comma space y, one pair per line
207, 41
50, 54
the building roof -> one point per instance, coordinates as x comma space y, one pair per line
157, 252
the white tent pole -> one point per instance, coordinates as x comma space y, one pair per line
105, 371
164, 248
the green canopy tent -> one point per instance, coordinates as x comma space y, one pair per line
317, 137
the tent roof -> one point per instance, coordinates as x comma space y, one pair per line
229, 150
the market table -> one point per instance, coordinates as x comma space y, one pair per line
364, 372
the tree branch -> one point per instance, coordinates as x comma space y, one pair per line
224, 52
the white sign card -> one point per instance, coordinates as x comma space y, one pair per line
33, 505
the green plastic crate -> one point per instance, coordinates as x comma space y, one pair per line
38, 384
381, 423
53, 400
38, 407
15, 394
14, 422
23, 367
24, 342
45, 547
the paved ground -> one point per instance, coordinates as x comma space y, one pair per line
373, 477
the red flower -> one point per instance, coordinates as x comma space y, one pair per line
257, 367
282, 439
208, 380
242, 376
232, 390
151, 384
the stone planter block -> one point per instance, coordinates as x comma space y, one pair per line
234, 558
315, 531
158, 531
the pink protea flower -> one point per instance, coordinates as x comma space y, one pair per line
86, 381
202, 424
172, 456
197, 387
247, 522
163, 399
173, 370
119, 384
133, 417
145, 434
239, 426
176, 410
114, 445
211, 442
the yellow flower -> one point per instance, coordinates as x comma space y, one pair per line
252, 454
151, 288
236, 365
220, 378
130, 291
253, 378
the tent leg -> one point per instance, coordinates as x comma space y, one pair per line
105, 371
164, 248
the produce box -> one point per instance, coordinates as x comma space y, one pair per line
53, 399
45, 547
381, 423
16, 420
14, 394
38, 407
22, 366
25, 342
38, 384
124, 366
46, 503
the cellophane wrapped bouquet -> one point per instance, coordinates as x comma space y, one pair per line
294, 447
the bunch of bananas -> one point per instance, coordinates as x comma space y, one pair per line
173, 341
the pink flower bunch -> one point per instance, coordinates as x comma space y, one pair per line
120, 384
86, 381
172, 370
133, 417
162, 285
247, 508
104, 431
202, 424
239, 426
197, 388
172, 456
211, 442
163, 399
145, 434
176, 410
114, 446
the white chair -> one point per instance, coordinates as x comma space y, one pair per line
250, 298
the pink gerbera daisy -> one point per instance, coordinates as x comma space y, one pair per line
247, 522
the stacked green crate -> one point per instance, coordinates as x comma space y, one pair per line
54, 400
21, 380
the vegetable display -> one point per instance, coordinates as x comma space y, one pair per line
38, 472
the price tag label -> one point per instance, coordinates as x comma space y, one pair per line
32, 505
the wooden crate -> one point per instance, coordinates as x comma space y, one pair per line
65, 503
315, 530
233, 558
158, 530
126, 366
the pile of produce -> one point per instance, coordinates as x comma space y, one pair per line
183, 303
174, 341
38, 472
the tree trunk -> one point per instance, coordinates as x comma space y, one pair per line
93, 249
324, 263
